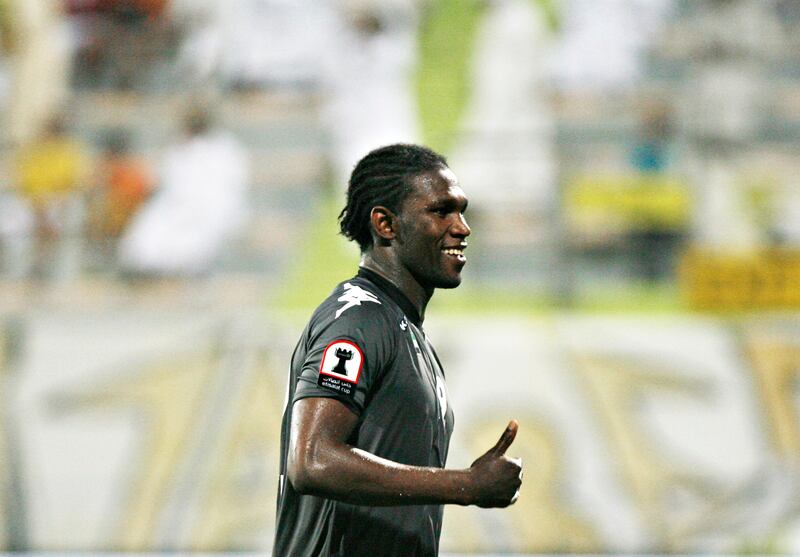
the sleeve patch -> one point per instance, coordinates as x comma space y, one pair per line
341, 367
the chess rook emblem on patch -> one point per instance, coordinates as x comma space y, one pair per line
341, 367
343, 356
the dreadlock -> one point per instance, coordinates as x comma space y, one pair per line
383, 177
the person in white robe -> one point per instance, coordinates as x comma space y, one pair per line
198, 206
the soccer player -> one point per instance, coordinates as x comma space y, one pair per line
367, 421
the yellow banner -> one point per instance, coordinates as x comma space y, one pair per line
632, 202
765, 279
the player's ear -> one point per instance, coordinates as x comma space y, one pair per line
383, 222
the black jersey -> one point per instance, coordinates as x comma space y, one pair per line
365, 347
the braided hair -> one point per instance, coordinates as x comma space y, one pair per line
383, 177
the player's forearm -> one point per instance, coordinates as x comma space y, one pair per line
356, 476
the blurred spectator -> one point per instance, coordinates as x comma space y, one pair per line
505, 148
601, 42
51, 174
368, 79
728, 46
16, 231
200, 25
252, 44
39, 47
123, 184
653, 244
119, 40
786, 229
198, 204
650, 153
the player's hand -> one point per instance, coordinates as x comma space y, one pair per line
496, 478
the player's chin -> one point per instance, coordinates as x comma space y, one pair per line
450, 281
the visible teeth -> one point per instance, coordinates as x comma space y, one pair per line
454, 251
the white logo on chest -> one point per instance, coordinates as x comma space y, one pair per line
441, 394
353, 296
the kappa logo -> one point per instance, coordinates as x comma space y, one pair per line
403, 324
353, 296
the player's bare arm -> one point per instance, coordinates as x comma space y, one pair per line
320, 462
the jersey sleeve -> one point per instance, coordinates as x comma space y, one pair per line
347, 356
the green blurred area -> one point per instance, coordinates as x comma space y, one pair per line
324, 259
447, 36
446, 41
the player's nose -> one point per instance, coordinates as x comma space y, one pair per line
460, 228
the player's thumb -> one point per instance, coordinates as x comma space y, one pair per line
506, 438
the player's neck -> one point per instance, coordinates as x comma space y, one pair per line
398, 275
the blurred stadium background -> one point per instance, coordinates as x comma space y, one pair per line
171, 175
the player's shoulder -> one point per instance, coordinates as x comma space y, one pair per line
359, 311
358, 299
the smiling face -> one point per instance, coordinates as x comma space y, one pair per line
433, 232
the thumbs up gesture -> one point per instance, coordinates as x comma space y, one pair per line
496, 478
